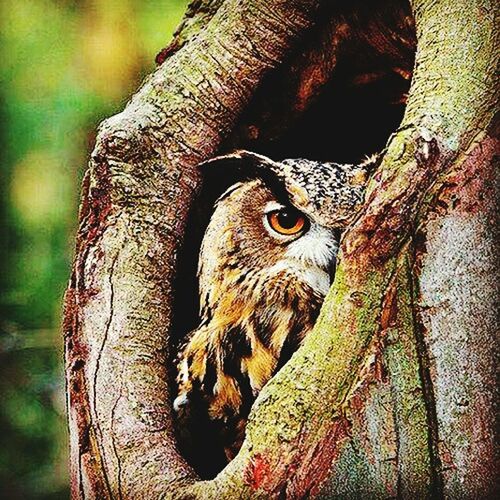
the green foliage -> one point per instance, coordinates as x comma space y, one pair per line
65, 66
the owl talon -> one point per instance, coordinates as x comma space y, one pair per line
180, 402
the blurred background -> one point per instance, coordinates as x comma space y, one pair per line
65, 65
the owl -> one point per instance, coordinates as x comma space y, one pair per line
266, 263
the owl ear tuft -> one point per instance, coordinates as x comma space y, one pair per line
223, 171
239, 158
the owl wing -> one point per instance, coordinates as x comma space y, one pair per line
225, 364
213, 398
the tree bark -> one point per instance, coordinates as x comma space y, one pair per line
393, 394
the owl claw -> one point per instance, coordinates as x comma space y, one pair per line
180, 402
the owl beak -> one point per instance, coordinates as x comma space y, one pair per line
331, 270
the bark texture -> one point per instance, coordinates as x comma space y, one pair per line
393, 394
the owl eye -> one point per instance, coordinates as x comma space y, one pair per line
287, 221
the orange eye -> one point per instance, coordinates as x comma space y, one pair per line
286, 221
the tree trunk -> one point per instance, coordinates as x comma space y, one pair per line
393, 394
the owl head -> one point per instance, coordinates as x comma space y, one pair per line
254, 234
274, 217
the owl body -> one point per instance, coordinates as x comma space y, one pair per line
260, 294
266, 263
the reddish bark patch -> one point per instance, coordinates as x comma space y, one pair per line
95, 208
165, 53
313, 466
257, 472
466, 190
388, 316
299, 470
75, 348
99, 201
